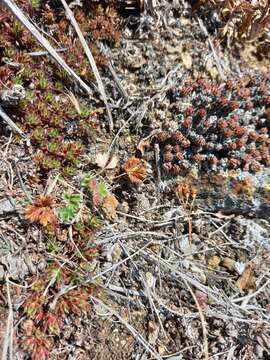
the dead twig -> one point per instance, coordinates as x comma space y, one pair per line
117, 81
44, 53
147, 290
28, 195
10, 123
216, 58
157, 161
7, 146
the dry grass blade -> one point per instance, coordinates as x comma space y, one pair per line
7, 348
91, 60
10, 123
44, 42
204, 330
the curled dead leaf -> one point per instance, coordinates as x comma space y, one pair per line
247, 279
186, 60
145, 143
135, 169
105, 161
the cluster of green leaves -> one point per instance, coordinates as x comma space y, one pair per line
98, 189
46, 118
68, 213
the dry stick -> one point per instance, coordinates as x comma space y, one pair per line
117, 81
204, 330
91, 60
10, 123
10, 174
9, 330
7, 147
130, 328
44, 42
44, 53
28, 195
70, 234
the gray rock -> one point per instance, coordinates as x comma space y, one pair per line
7, 205
13, 96
15, 265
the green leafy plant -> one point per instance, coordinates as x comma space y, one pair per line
98, 189
32, 119
35, 3
33, 307
67, 213
53, 246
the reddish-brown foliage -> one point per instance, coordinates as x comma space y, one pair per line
41, 211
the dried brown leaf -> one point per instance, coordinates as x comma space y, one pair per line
109, 206
247, 279
228, 263
135, 169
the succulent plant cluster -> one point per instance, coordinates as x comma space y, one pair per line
99, 21
218, 127
56, 129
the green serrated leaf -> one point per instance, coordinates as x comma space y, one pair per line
73, 203
102, 189
66, 214
55, 275
86, 181
74, 199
